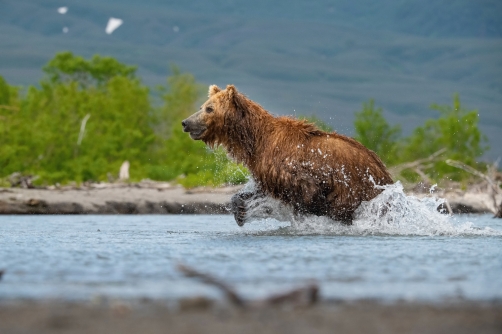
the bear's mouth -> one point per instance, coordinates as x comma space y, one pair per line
197, 134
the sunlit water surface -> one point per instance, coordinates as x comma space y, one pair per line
81, 257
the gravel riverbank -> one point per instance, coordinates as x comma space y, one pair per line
164, 198
116, 199
327, 317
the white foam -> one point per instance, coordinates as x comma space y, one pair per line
259, 208
390, 213
395, 213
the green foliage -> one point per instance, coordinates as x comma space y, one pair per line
318, 122
456, 130
4, 92
89, 116
221, 172
192, 160
4, 183
373, 131
47, 136
67, 67
9, 122
179, 99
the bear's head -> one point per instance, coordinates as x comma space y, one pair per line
223, 107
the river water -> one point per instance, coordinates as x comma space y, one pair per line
409, 256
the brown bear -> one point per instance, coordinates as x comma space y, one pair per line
291, 160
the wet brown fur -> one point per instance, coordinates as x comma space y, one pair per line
321, 173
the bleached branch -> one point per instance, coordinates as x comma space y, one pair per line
414, 164
82, 129
494, 185
469, 169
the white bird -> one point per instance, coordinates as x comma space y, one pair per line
113, 23
62, 10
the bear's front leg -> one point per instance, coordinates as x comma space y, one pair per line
251, 203
239, 206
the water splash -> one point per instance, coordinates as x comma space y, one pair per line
390, 213
395, 213
259, 207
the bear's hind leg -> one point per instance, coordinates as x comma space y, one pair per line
343, 217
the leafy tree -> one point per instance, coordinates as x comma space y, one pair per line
192, 160
179, 101
47, 136
67, 67
456, 130
4, 92
88, 116
9, 122
373, 131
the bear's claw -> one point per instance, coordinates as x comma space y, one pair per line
239, 208
240, 215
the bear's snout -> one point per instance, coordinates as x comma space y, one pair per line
194, 126
186, 125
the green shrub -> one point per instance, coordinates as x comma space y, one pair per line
89, 116
455, 130
373, 131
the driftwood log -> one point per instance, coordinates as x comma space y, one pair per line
418, 165
303, 296
19, 180
490, 185
491, 179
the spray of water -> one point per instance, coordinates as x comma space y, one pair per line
390, 213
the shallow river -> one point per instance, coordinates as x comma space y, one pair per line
81, 257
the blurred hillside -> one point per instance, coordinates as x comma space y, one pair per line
294, 57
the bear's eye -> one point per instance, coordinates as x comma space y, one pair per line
209, 109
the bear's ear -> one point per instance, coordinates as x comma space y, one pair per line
232, 91
236, 98
213, 89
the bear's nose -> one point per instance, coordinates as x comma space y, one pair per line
184, 124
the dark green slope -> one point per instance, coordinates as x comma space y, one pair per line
294, 57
